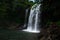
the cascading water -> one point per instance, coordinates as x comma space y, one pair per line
32, 0
26, 18
33, 20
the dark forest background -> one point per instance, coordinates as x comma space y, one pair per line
50, 11
12, 12
12, 16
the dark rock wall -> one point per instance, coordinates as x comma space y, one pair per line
50, 12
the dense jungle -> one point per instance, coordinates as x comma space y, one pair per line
12, 17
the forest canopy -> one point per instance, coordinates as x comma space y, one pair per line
7, 6
13, 11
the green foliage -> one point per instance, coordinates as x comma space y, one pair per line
13, 11
24, 3
58, 23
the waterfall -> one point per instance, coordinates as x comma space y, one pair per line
32, 0
26, 18
34, 19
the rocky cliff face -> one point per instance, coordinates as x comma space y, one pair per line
50, 12
50, 32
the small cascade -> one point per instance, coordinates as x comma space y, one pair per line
33, 20
32, 0
26, 18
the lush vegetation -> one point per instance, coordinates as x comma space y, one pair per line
50, 11
12, 14
13, 11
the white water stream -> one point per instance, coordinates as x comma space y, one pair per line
34, 19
